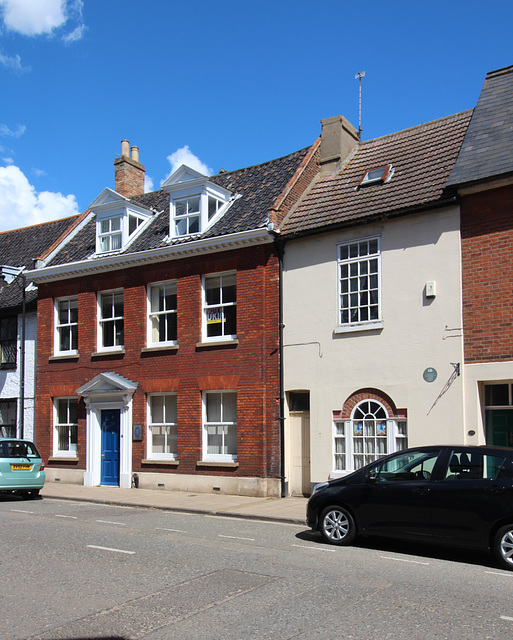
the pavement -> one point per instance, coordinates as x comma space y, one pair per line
291, 510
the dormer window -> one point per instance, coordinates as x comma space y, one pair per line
118, 221
195, 202
377, 176
109, 234
187, 215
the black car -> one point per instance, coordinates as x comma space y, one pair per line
440, 494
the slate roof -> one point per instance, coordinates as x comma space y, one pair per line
258, 186
487, 149
20, 247
422, 158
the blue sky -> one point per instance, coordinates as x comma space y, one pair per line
223, 84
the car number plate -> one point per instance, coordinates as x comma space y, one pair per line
20, 467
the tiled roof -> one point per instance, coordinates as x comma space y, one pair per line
422, 158
258, 187
487, 149
20, 247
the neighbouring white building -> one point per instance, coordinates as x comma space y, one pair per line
372, 303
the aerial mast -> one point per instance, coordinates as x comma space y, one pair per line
359, 77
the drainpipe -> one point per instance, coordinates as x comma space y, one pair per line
280, 247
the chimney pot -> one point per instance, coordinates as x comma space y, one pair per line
125, 148
135, 153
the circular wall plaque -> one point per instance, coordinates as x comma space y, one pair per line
429, 374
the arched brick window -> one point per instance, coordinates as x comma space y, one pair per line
368, 428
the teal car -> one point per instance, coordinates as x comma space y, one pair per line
21, 468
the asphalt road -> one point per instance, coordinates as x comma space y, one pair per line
79, 570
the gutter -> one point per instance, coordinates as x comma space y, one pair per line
114, 262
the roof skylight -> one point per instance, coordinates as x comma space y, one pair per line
377, 176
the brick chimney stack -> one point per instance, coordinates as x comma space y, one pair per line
128, 172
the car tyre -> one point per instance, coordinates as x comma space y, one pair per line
503, 546
32, 494
337, 526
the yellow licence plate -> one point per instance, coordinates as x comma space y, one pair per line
20, 467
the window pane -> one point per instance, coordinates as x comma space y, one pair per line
230, 407
157, 409
214, 407
229, 288
194, 224
212, 290
170, 405
193, 204
497, 395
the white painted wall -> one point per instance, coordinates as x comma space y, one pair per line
10, 379
417, 333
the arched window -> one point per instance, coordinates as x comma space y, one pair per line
370, 434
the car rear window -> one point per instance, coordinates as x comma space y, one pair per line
473, 466
16, 449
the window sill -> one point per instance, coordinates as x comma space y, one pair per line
167, 347
114, 352
161, 463
67, 356
214, 463
62, 459
355, 328
218, 343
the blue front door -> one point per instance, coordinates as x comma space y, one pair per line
110, 446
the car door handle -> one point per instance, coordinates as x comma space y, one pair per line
421, 491
495, 489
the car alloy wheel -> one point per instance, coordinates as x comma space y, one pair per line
503, 546
337, 526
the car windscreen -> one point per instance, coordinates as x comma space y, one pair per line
17, 449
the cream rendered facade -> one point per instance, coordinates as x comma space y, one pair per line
417, 333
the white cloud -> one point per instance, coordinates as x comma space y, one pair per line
148, 184
185, 156
33, 17
21, 205
12, 133
13, 63
76, 34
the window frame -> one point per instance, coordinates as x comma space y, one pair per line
70, 325
396, 439
101, 322
10, 345
378, 175
150, 454
206, 307
153, 315
190, 214
369, 323
72, 452
219, 457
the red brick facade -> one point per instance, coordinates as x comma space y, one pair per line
250, 366
487, 275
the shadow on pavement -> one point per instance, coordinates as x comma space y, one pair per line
409, 548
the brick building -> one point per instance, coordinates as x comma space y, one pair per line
483, 178
18, 301
158, 332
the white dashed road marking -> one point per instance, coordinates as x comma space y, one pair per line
93, 546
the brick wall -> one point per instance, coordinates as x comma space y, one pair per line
251, 366
487, 275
